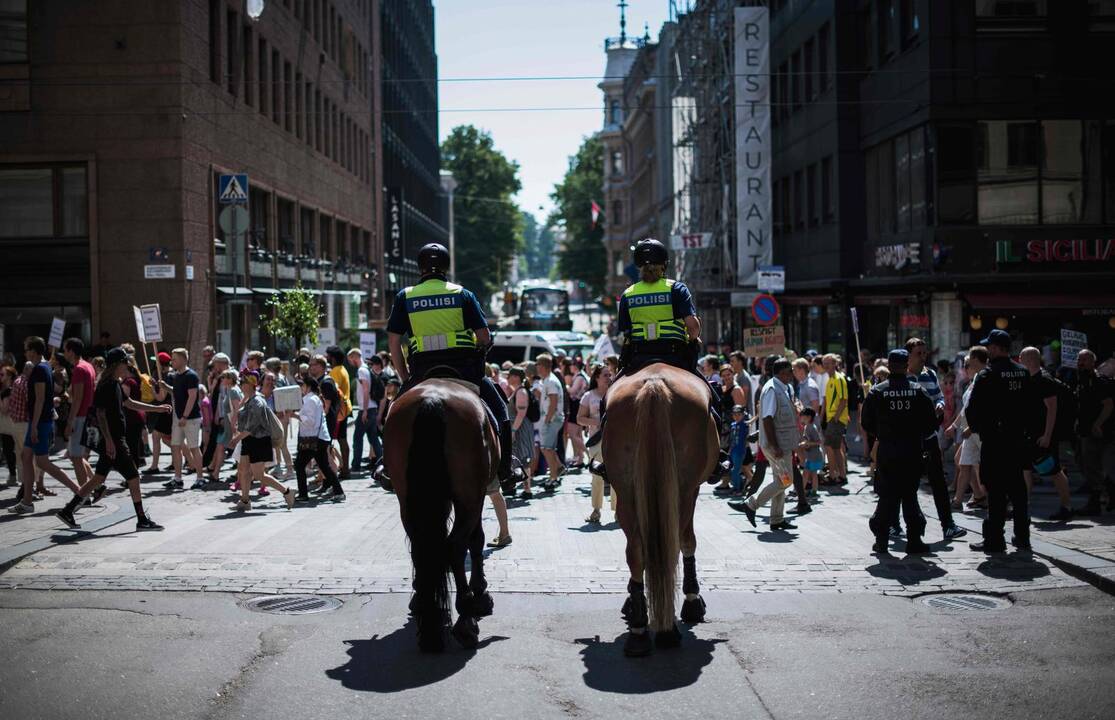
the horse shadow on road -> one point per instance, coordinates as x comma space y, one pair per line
607, 670
393, 663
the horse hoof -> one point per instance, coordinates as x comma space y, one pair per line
482, 604
693, 611
638, 644
467, 632
668, 638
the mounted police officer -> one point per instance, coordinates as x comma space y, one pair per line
445, 328
900, 413
659, 323
999, 409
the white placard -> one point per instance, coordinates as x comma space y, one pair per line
753, 137
152, 322
139, 323
1072, 342
326, 336
603, 347
158, 272
288, 399
367, 344
772, 278
57, 330
189, 272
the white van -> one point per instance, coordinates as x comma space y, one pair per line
520, 346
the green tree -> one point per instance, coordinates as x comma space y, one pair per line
582, 256
295, 315
487, 220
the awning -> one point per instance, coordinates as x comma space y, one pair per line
1038, 301
227, 290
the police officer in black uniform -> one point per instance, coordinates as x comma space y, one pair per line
900, 413
999, 410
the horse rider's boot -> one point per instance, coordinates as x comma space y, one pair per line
509, 475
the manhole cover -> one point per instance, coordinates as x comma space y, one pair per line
957, 601
291, 604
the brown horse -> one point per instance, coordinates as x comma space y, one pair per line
441, 453
659, 446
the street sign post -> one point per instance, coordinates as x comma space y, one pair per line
765, 309
233, 189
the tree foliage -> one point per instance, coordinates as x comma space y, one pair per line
582, 256
538, 248
487, 222
295, 315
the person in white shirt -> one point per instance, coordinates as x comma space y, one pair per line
553, 417
366, 412
313, 442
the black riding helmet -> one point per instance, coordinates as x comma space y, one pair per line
433, 257
650, 252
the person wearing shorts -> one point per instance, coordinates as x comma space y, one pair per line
114, 454
968, 455
1046, 461
553, 418
185, 427
83, 379
253, 436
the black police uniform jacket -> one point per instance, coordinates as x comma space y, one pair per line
901, 414
1002, 404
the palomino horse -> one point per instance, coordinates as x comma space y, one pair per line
441, 453
659, 446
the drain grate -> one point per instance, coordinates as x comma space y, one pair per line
964, 601
291, 604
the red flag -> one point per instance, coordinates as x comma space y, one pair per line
595, 213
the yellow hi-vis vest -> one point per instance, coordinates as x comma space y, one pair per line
437, 318
652, 312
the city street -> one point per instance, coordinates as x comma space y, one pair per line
800, 624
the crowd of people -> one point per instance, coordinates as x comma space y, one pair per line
787, 425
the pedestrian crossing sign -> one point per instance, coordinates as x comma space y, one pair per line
233, 189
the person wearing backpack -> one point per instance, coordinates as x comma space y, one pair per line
1044, 435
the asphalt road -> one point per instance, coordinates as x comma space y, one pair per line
762, 655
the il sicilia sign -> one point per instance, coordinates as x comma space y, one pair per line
1055, 251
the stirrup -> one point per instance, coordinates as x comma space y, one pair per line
595, 438
723, 465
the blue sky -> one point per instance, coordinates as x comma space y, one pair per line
530, 38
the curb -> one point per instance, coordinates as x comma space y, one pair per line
9, 556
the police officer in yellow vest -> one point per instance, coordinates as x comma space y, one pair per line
444, 326
659, 324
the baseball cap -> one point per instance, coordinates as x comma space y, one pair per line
115, 355
997, 337
898, 356
737, 408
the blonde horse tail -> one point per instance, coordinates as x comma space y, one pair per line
657, 499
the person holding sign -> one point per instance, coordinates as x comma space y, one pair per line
40, 428
114, 454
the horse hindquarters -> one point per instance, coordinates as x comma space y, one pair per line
656, 498
427, 516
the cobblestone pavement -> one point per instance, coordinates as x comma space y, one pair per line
359, 547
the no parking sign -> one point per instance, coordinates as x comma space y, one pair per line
765, 309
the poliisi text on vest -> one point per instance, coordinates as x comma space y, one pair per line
433, 302
652, 299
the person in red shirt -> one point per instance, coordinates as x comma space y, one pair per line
82, 382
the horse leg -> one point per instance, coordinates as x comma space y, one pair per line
638, 643
693, 609
482, 603
465, 630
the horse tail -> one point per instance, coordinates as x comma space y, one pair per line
427, 513
657, 498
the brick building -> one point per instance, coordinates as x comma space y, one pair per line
117, 119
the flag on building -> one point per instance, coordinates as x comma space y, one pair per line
595, 213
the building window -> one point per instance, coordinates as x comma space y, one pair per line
807, 71
813, 200
299, 108
13, 32
799, 199
325, 237
43, 202
317, 120
259, 233
827, 206
286, 226
308, 107
615, 113
902, 182
1007, 173
215, 40
288, 97
795, 79
910, 22
232, 56
956, 177
888, 30
276, 90
617, 213
919, 200
1010, 8
1067, 195
617, 162
309, 247
870, 33
823, 77
264, 84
